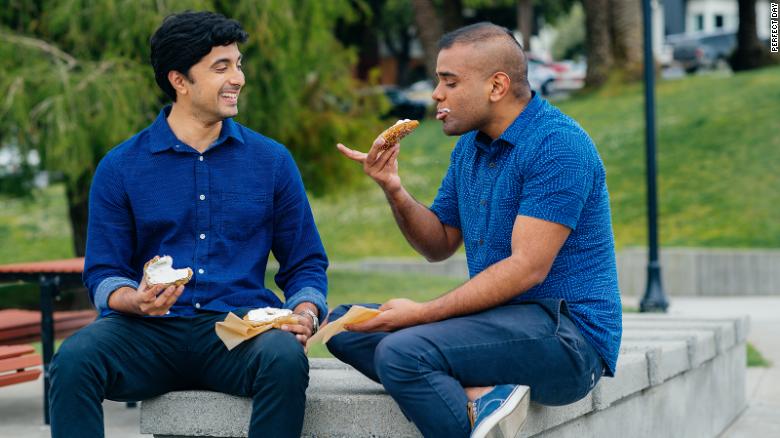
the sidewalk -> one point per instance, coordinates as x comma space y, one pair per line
21, 413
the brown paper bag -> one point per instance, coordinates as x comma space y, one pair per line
234, 330
356, 314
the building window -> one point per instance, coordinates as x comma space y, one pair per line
699, 22
719, 22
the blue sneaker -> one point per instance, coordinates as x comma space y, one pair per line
500, 413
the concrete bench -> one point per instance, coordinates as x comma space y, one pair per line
675, 377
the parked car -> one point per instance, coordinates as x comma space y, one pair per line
702, 50
404, 107
541, 76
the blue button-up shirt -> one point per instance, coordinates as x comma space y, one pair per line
544, 166
220, 212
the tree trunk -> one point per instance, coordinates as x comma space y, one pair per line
525, 19
452, 14
626, 27
78, 212
598, 46
749, 53
429, 31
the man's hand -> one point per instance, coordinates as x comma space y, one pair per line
396, 314
305, 326
380, 165
146, 300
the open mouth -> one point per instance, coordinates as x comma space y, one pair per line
442, 113
229, 97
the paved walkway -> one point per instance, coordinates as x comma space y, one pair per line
21, 411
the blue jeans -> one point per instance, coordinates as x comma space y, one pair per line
425, 368
126, 358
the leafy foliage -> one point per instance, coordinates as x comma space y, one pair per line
75, 81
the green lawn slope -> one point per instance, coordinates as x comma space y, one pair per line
718, 174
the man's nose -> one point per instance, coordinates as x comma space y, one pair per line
238, 79
437, 94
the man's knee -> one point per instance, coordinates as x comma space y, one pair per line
281, 357
399, 356
77, 362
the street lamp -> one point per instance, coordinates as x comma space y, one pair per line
654, 299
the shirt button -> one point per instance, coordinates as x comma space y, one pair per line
200, 158
202, 197
201, 271
197, 305
483, 202
481, 241
492, 164
202, 236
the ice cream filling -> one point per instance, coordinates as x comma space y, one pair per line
162, 272
267, 314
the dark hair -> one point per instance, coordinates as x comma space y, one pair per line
183, 39
513, 62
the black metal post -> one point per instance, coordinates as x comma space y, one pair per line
654, 299
49, 290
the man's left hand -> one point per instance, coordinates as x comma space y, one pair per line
304, 327
396, 314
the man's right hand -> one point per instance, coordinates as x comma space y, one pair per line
381, 165
146, 300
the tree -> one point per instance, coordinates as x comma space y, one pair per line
76, 81
525, 21
429, 30
750, 53
613, 40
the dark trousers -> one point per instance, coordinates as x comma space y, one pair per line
425, 368
127, 358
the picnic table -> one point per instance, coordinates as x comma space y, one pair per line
50, 276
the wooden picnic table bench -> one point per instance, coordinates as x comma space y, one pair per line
50, 277
14, 361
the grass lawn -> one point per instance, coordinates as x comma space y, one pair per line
718, 174
755, 358
718, 167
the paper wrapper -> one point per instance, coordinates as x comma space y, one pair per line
355, 315
234, 330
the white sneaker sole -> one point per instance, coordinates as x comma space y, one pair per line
508, 419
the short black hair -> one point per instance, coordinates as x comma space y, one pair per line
513, 62
183, 39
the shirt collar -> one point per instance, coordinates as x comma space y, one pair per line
163, 138
513, 133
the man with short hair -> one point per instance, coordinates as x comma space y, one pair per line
526, 193
217, 197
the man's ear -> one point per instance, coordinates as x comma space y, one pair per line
178, 82
500, 83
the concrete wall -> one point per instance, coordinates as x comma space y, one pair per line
699, 272
685, 271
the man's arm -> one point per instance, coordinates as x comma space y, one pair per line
297, 246
535, 244
419, 225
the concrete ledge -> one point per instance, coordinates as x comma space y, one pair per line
675, 377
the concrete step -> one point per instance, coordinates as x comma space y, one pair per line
688, 373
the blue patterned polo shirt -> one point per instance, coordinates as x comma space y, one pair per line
544, 166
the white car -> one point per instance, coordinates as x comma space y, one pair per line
540, 77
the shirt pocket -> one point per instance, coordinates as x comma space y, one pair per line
243, 215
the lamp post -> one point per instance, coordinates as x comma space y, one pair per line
654, 299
